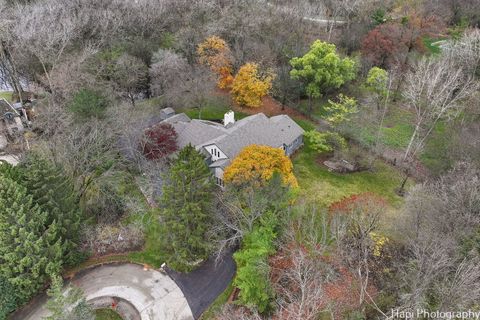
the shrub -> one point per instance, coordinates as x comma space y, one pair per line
325, 141
104, 239
252, 269
159, 141
87, 103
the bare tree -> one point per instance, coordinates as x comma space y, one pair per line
466, 51
439, 217
130, 76
435, 91
299, 287
238, 210
166, 71
358, 220
230, 312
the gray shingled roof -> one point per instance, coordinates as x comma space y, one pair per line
255, 129
196, 132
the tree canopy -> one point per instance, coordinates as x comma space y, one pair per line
249, 86
186, 216
259, 163
322, 68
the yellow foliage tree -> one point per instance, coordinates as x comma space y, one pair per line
249, 86
260, 162
215, 53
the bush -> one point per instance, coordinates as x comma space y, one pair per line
104, 239
325, 141
159, 141
87, 103
252, 269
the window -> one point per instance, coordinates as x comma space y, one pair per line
219, 182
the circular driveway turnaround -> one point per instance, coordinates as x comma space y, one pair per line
152, 293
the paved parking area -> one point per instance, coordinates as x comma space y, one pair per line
153, 294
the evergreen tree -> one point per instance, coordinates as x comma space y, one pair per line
70, 305
28, 246
8, 299
55, 195
186, 217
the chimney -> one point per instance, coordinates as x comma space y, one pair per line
228, 118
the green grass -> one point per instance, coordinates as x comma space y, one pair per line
212, 112
395, 133
320, 187
305, 124
7, 95
429, 44
318, 112
152, 252
106, 314
435, 155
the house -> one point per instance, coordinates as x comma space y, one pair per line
11, 122
222, 142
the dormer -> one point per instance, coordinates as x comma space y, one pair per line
215, 152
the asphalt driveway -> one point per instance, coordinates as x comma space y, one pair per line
203, 285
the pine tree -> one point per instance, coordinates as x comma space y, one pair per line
29, 248
55, 194
68, 304
187, 197
8, 299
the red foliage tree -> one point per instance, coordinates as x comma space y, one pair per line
380, 45
159, 141
390, 43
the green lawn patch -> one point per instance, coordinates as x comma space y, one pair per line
7, 95
321, 187
318, 111
152, 251
395, 133
435, 155
431, 44
106, 314
214, 111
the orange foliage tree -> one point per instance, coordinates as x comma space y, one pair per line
249, 86
215, 53
257, 162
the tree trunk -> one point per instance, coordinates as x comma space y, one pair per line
401, 190
11, 69
310, 105
412, 139
402, 72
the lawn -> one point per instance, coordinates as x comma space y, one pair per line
106, 314
321, 187
7, 95
214, 111
152, 251
318, 112
395, 133
429, 43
